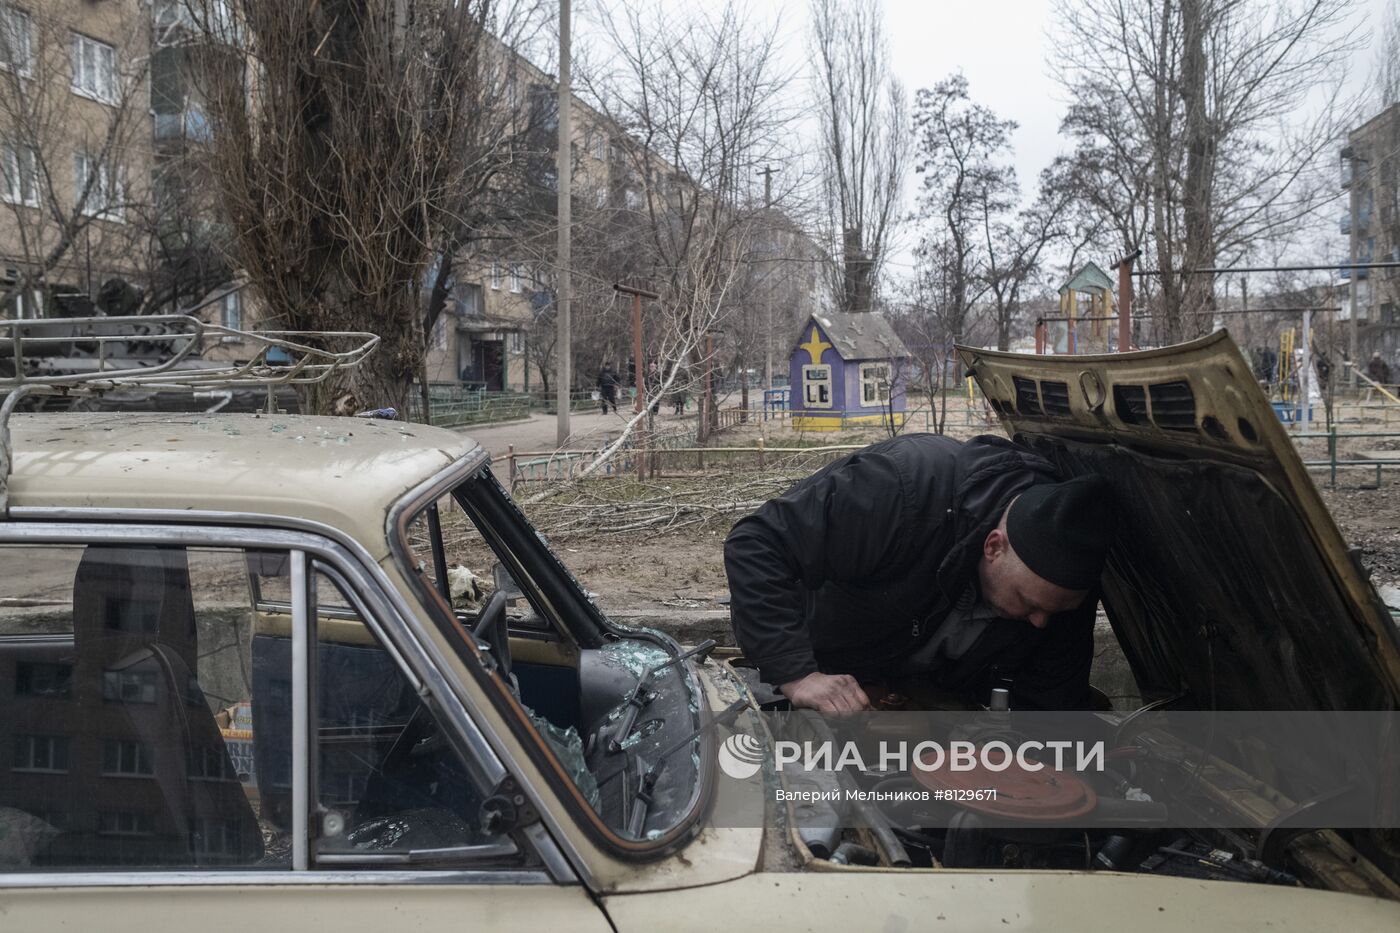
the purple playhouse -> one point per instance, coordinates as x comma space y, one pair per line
847, 369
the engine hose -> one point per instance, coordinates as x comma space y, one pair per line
850, 853
885, 840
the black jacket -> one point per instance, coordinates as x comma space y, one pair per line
857, 565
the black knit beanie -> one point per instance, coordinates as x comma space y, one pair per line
1062, 531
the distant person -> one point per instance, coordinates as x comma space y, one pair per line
653, 385
607, 388
1378, 370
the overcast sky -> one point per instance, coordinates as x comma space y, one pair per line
1001, 45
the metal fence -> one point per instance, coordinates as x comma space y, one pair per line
454, 406
1375, 460
579, 400
667, 457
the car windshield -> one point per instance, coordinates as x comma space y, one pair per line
613, 706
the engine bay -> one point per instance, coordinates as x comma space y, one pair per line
1144, 813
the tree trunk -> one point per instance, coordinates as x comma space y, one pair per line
1197, 305
1169, 330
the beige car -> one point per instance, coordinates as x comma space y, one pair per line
246, 685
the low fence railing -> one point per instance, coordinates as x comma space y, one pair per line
452, 407
548, 402
1336, 460
665, 460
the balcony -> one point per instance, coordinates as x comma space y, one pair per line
1363, 221
190, 124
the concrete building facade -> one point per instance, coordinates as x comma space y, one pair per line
76, 150
1371, 225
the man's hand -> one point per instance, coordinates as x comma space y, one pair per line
827, 693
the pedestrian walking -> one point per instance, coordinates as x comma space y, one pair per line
607, 388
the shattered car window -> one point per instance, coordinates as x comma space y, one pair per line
619, 720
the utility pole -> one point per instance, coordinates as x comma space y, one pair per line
564, 352
767, 173
1353, 202
1125, 300
1305, 374
637, 367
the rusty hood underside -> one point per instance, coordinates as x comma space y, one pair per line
1228, 579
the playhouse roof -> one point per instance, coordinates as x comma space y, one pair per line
864, 336
1089, 276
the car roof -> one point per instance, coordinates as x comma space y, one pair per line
343, 472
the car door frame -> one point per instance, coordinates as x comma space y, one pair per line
382, 612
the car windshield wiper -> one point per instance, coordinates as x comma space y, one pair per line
640, 697
641, 802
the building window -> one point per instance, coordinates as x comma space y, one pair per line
215, 837
133, 616
21, 167
43, 679
47, 753
24, 304
874, 383
598, 145
231, 310
440, 333
816, 386
94, 69
126, 758
124, 823
517, 342
106, 195
515, 277
16, 40
496, 275
211, 763
129, 686
470, 300
58, 819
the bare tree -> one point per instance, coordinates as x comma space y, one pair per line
1016, 246
932, 317
961, 149
343, 154
700, 103
1386, 75
1209, 108
497, 142
76, 154
864, 142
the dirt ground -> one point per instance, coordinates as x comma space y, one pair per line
684, 569
1370, 520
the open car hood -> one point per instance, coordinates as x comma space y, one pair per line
1228, 579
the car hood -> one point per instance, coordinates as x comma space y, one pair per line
1228, 580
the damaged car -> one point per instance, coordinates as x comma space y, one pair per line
245, 682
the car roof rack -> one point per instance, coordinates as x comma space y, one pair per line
35, 360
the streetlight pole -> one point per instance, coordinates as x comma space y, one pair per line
564, 352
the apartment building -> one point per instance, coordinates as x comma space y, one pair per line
75, 148
503, 286
119, 125
1371, 225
